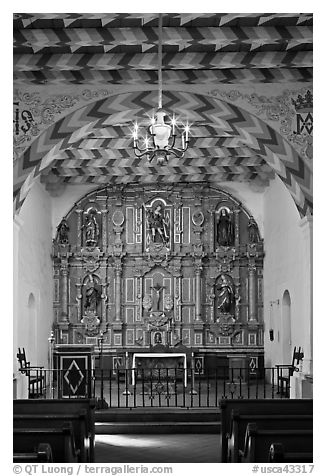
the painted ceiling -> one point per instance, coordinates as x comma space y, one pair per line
92, 143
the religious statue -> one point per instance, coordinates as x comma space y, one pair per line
253, 231
63, 229
91, 229
158, 225
225, 294
156, 298
92, 297
225, 229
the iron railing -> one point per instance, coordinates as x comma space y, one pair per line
159, 387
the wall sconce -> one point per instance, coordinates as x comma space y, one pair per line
271, 335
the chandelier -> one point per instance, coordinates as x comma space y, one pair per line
160, 138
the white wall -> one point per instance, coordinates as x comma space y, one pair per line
285, 268
33, 276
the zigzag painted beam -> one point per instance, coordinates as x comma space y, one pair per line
142, 40
149, 61
169, 178
136, 77
147, 168
199, 152
250, 131
81, 159
98, 20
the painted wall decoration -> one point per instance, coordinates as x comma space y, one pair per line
291, 112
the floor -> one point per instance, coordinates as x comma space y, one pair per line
182, 448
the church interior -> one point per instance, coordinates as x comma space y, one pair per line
162, 273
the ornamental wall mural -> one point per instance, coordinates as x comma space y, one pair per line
178, 265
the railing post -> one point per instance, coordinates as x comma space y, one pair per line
126, 391
192, 368
51, 344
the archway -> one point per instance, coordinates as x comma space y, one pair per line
32, 344
124, 108
286, 327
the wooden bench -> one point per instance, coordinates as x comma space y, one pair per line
64, 407
266, 406
277, 454
285, 371
61, 440
78, 421
43, 454
35, 375
239, 423
258, 442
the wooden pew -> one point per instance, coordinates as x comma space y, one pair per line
239, 424
61, 440
258, 442
43, 454
277, 454
62, 407
266, 406
78, 421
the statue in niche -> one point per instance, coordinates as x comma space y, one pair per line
158, 226
63, 229
224, 294
253, 231
92, 296
157, 338
91, 229
225, 229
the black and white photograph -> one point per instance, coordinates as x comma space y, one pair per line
163, 247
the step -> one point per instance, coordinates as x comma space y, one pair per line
157, 415
158, 427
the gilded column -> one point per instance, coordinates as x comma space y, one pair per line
118, 272
104, 230
236, 214
64, 290
198, 269
252, 293
79, 228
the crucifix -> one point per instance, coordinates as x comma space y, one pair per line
156, 297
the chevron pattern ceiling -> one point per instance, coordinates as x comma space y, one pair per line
121, 48
92, 144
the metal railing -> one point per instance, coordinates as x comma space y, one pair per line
159, 387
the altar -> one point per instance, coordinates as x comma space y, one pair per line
159, 366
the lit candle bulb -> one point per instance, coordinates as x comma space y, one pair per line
173, 125
187, 131
183, 141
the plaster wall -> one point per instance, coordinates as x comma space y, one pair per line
285, 268
33, 279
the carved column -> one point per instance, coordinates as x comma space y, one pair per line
118, 272
198, 269
236, 214
64, 289
79, 297
252, 292
103, 301
79, 212
104, 230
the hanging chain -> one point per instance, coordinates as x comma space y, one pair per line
160, 34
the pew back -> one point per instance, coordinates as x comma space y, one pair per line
78, 421
61, 407
258, 442
239, 423
258, 407
61, 440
